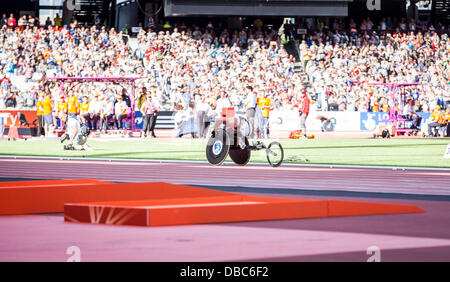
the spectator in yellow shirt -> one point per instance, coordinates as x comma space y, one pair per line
437, 120
376, 107
57, 20
84, 111
385, 106
265, 104
47, 105
61, 110
73, 106
39, 113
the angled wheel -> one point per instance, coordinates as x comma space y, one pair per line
240, 156
246, 127
218, 147
328, 125
275, 154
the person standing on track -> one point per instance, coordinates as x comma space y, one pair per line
201, 113
148, 110
47, 105
265, 104
40, 114
157, 108
303, 110
250, 104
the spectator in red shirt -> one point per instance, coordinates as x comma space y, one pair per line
303, 109
12, 23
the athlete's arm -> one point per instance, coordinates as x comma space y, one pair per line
75, 133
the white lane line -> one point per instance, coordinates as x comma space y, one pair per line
257, 164
50, 185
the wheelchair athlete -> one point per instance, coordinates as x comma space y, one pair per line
231, 122
77, 135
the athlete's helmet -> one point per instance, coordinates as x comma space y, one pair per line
82, 139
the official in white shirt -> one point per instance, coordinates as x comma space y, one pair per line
222, 102
95, 107
201, 111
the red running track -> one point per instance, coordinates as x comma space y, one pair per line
405, 237
429, 182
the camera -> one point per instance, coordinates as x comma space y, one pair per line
68, 147
64, 137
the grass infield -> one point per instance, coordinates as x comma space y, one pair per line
402, 152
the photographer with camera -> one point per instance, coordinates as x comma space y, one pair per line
76, 134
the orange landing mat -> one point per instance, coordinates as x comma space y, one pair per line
220, 209
40, 196
28, 197
159, 203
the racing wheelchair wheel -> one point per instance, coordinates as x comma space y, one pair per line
218, 147
238, 155
275, 154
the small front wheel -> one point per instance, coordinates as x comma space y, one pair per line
275, 154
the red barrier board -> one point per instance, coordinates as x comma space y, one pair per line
14, 117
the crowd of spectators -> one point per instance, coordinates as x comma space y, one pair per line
340, 63
212, 61
180, 63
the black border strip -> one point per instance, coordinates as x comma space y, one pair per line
356, 194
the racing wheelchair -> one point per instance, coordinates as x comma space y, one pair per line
226, 142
